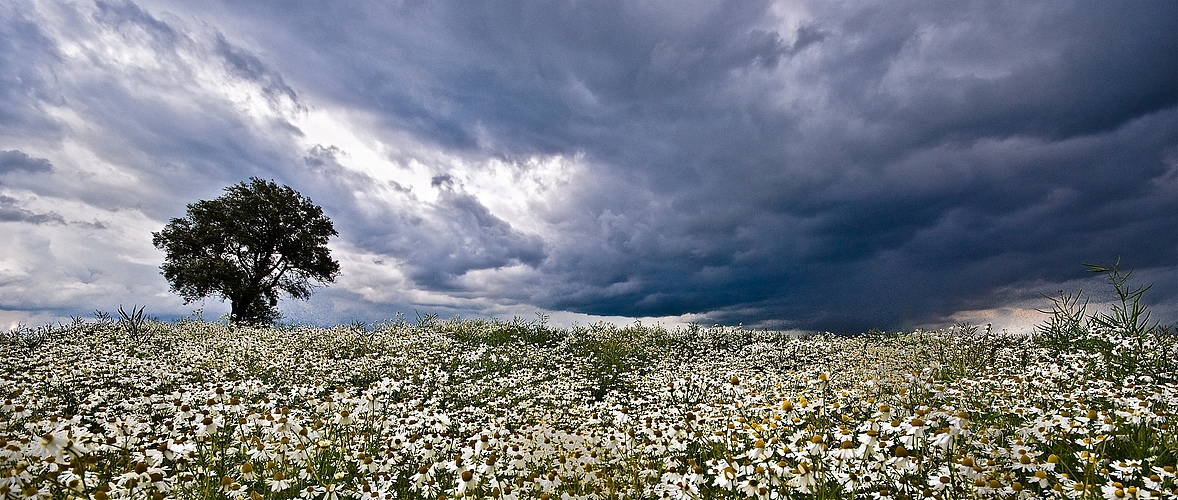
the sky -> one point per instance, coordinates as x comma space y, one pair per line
816, 166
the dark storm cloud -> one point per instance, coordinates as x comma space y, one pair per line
470, 238
16, 161
11, 211
860, 165
830, 165
24, 83
131, 19
162, 117
1043, 160
247, 66
442, 181
1071, 71
438, 241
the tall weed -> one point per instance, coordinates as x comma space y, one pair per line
1123, 341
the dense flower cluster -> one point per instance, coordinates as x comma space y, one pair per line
487, 409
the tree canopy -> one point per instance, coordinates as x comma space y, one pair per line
249, 245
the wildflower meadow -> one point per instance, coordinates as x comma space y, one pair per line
1084, 407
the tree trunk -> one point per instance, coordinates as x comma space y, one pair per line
237, 308
251, 307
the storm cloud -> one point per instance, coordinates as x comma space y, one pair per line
820, 166
13, 161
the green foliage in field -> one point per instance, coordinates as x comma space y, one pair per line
138, 408
1125, 339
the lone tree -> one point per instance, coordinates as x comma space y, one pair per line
247, 245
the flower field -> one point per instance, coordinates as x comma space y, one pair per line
515, 410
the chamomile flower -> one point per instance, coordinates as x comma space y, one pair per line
278, 482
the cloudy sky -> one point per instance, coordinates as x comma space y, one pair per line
796, 165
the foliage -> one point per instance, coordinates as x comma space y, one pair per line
1124, 338
521, 410
1130, 316
247, 246
610, 353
